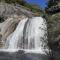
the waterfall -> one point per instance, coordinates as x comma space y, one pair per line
12, 40
33, 32
30, 36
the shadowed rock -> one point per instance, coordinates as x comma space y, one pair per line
20, 55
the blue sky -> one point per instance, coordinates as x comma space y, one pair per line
41, 3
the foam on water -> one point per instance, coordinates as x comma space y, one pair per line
39, 51
9, 50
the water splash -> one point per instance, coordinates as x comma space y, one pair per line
30, 36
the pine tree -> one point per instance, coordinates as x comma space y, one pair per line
22, 2
52, 3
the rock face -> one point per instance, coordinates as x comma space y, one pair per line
6, 10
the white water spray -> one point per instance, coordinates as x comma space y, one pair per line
30, 36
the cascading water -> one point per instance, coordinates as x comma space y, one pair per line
30, 36
33, 32
12, 40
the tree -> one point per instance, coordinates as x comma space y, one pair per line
22, 2
52, 3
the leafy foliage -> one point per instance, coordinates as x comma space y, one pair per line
52, 3
14, 1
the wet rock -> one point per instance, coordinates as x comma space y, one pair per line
20, 55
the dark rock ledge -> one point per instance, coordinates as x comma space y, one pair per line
20, 55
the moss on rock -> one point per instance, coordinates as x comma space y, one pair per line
54, 29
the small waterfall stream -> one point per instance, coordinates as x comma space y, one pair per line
30, 36
16, 35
